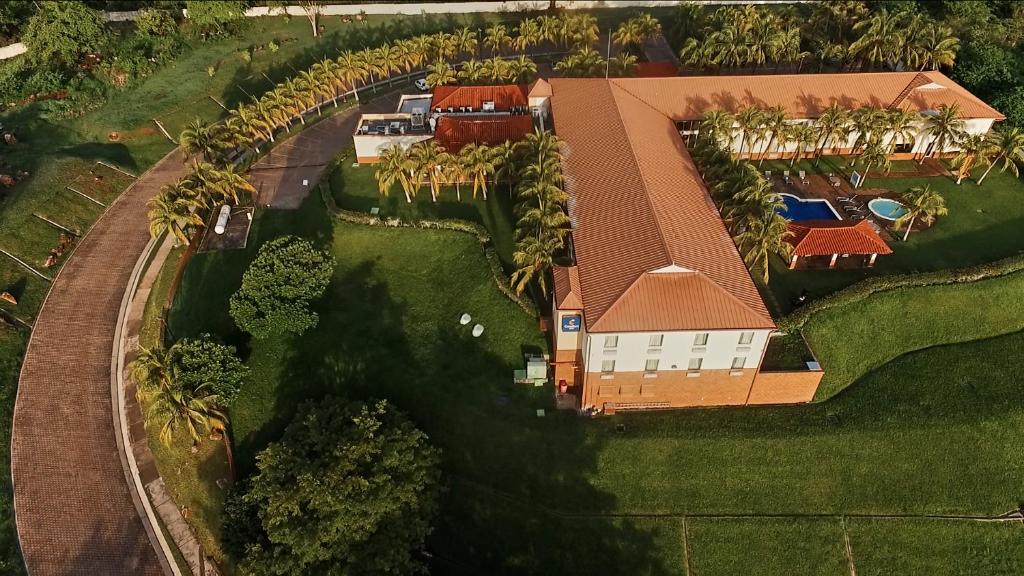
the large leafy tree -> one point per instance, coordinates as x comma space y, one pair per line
61, 32
213, 16
347, 490
287, 275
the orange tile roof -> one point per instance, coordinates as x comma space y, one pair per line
656, 70
504, 96
453, 133
567, 288
639, 206
827, 237
804, 95
539, 88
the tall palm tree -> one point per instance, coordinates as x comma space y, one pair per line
496, 69
172, 215
869, 125
974, 151
803, 135
939, 47
471, 72
391, 168
527, 34
902, 125
389, 60
521, 70
873, 155
923, 204
316, 85
832, 123
497, 38
1007, 146
429, 159
622, 66
881, 37
440, 73
765, 237
748, 120
453, 170
751, 197
944, 127
717, 125
774, 121
223, 184
466, 40
479, 164
533, 257
200, 138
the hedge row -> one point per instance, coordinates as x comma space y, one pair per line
477, 230
867, 287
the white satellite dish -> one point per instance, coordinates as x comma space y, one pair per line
465, 319
478, 330
222, 219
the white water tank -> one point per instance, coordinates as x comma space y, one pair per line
222, 219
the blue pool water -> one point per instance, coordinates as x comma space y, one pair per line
797, 209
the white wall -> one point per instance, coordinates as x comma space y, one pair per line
468, 7
372, 145
677, 349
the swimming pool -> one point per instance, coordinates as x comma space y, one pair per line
887, 209
798, 209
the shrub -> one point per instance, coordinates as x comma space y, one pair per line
349, 489
203, 360
214, 16
277, 289
153, 22
59, 33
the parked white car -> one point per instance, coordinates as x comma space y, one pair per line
422, 86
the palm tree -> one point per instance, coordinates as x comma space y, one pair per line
1008, 146
944, 127
902, 125
440, 73
154, 367
527, 34
392, 168
317, 85
764, 237
623, 65
748, 120
582, 63
869, 124
881, 38
222, 184
729, 47
453, 170
774, 121
479, 164
496, 69
717, 125
496, 38
173, 215
939, 47
521, 69
974, 149
874, 154
389, 60
803, 135
471, 71
199, 137
922, 203
765, 43
429, 159
749, 197
833, 123
465, 40
533, 257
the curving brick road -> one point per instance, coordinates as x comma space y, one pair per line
74, 511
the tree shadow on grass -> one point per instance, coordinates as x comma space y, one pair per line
496, 450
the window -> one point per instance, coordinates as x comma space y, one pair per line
656, 341
701, 339
611, 341
608, 366
695, 363
904, 147
746, 338
738, 362
651, 365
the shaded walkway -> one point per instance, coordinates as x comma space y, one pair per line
75, 513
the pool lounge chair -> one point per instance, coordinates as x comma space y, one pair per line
803, 177
785, 176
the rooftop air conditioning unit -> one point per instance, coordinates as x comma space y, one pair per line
489, 106
417, 117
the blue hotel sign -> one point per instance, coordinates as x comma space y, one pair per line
571, 323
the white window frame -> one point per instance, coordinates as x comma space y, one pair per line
614, 342
742, 363
700, 363
700, 339
605, 368
656, 341
647, 365
746, 338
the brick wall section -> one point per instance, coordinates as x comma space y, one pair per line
785, 387
674, 389
75, 514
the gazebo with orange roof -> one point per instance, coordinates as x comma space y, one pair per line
835, 238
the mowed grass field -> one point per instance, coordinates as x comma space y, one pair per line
932, 432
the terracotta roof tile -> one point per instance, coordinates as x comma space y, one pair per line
539, 88
504, 96
826, 237
453, 133
567, 288
804, 95
638, 206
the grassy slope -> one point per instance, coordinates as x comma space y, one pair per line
12, 346
983, 225
853, 339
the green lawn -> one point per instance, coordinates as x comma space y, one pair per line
354, 188
12, 347
766, 546
850, 340
984, 224
931, 432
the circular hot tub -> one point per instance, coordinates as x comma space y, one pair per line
887, 209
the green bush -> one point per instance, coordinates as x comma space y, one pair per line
60, 33
203, 360
153, 22
866, 288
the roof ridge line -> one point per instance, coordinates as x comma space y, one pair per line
632, 152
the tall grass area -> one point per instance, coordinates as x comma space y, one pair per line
851, 340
